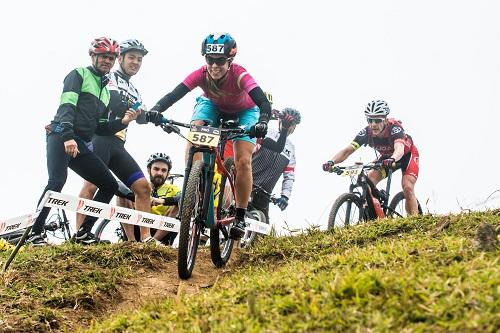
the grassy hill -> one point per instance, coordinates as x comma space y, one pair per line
421, 274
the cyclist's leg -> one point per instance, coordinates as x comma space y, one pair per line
91, 168
129, 172
243, 148
376, 176
128, 228
102, 148
87, 192
261, 202
410, 169
57, 167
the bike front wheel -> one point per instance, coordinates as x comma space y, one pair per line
397, 207
346, 210
221, 245
191, 224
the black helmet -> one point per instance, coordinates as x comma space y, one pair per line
292, 112
160, 157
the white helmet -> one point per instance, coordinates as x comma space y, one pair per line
132, 45
377, 108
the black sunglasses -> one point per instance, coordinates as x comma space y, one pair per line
218, 61
374, 120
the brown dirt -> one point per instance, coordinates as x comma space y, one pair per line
144, 287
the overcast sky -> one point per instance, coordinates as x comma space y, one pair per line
435, 62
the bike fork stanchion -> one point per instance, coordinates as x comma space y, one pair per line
387, 188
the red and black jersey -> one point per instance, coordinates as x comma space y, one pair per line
384, 142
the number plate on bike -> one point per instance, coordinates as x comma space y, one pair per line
352, 170
204, 136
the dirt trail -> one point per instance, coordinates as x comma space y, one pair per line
145, 286
150, 286
157, 285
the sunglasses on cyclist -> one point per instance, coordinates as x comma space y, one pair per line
374, 120
218, 61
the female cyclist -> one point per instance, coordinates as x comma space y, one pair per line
228, 90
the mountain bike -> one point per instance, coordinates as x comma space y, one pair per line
57, 227
112, 231
365, 201
197, 209
254, 213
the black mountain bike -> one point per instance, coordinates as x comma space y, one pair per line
197, 209
254, 213
112, 231
364, 201
57, 226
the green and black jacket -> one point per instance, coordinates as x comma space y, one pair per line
83, 110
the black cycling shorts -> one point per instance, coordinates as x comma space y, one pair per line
111, 150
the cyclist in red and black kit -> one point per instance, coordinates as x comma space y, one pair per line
388, 138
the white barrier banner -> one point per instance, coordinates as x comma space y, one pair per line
106, 211
257, 226
17, 223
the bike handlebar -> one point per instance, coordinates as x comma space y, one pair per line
272, 198
370, 166
169, 125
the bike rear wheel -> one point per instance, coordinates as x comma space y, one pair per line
397, 206
110, 231
251, 236
221, 245
346, 211
191, 224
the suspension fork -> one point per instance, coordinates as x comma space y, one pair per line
187, 171
208, 196
387, 189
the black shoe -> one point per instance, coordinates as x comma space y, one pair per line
36, 240
238, 229
84, 237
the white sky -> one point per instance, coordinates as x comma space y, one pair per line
435, 62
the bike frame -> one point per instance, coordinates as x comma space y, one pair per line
364, 182
211, 157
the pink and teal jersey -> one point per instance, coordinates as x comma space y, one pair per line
235, 88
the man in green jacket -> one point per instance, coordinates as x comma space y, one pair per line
81, 113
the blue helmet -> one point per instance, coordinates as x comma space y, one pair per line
219, 43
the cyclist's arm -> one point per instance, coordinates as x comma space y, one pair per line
342, 155
169, 99
289, 176
66, 112
106, 127
172, 201
276, 146
258, 96
399, 150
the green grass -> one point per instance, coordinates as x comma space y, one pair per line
44, 285
404, 275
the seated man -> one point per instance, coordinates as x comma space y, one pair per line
164, 198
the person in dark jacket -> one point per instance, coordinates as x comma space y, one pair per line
81, 113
